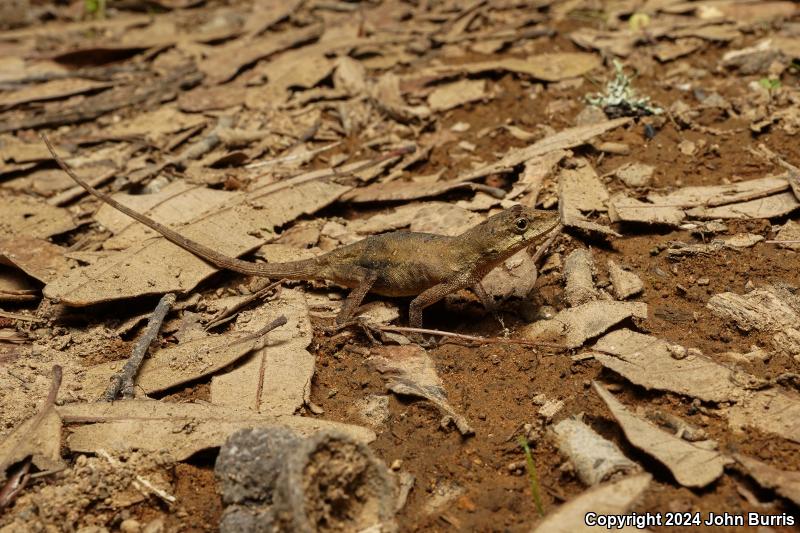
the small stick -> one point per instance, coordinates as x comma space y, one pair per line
783, 242
123, 381
484, 340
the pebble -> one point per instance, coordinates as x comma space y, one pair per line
130, 526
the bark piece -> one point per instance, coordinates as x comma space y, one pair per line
625, 283
692, 464
595, 459
272, 479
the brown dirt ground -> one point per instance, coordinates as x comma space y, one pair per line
493, 385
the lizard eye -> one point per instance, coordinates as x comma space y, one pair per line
521, 224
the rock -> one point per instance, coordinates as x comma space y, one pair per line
635, 174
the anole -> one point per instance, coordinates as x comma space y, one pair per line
400, 263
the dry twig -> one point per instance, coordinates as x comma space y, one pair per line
123, 381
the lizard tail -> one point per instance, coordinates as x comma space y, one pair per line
215, 258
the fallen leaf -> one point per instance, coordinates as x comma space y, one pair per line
181, 429
39, 437
649, 362
579, 277
615, 498
595, 458
576, 325
38, 258
568, 138
692, 464
51, 90
226, 61
622, 208
784, 482
157, 266
716, 195
178, 364
625, 283
25, 215
456, 94
411, 372
275, 379
177, 203
155, 126
777, 205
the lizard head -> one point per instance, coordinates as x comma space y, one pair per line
507, 232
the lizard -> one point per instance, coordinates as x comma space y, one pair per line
401, 263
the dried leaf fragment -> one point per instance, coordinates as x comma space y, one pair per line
411, 372
692, 464
614, 498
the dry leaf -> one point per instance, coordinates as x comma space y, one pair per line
615, 498
181, 429
650, 362
51, 90
625, 283
456, 94
226, 61
25, 215
564, 139
622, 208
579, 275
177, 203
715, 195
411, 372
777, 205
576, 325
157, 266
155, 126
595, 459
275, 379
38, 258
784, 482
175, 365
692, 464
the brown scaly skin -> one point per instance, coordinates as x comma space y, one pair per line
424, 265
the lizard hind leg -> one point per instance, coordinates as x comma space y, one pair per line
365, 279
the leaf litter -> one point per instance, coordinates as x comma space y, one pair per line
247, 126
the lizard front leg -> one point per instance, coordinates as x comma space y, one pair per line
365, 279
431, 296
